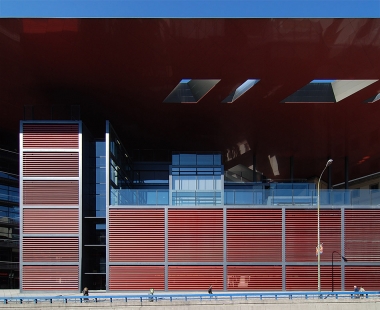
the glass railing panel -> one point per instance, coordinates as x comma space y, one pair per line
205, 198
243, 197
360, 197
182, 198
141, 197
229, 197
340, 197
301, 197
375, 197
163, 197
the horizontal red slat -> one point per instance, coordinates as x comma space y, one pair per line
362, 231
195, 235
366, 276
51, 221
136, 278
305, 278
254, 235
50, 249
195, 278
50, 135
301, 233
136, 235
51, 278
254, 278
51, 192
47, 164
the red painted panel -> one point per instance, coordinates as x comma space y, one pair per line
362, 231
305, 278
195, 235
302, 234
51, 192
254, 278
50, 249
195, 278
52, 278
136, 235
52, 221
136, 278
51, 164
254, 235
51, 136
366, 276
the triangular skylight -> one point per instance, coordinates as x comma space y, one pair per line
240, 90
190, 91
328, 90
373, 99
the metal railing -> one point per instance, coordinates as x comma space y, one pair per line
191, 297
271, 197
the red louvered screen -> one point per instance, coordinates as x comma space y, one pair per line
51, 192
53, 278
305, 278
366, 276
51, 221
50, 136
46, 164
362, 231
301, 232
195, 278
254, 235
137, 278
195, 235
254, 278
136, 235
50, 249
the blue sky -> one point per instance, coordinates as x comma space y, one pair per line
190, 8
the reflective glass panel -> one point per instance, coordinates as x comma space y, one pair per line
205, 159
188, 159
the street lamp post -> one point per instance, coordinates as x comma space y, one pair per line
329, 162
332, 267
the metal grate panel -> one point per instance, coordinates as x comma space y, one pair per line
50, 136
195, 278
305, 278
136, 235
366, 276
302, 234
254, 235
362, 231
254, 278
53, 164
51, 221
136, 278
195, 235
50, 278
51, 193
50, 249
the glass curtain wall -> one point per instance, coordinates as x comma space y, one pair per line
120, 170
9, 220
196, 179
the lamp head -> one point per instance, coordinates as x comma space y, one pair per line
345, 259
329, 162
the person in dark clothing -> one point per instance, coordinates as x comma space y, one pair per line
356, 290
85, 293
210, 289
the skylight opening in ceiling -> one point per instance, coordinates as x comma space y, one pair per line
322, 81
373, 99
190, 90
329, 91
241, 90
